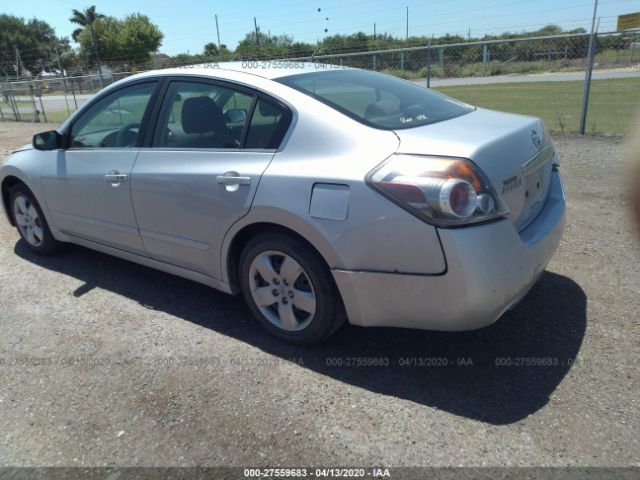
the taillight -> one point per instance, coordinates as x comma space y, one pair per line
446, 192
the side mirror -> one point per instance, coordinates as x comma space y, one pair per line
236, 115
50, 140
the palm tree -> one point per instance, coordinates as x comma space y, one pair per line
86, 18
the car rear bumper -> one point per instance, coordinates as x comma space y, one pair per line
490, 268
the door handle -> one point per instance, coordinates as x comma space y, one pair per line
231, 179
114, 177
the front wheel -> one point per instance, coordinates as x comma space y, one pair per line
289, 289
31, 224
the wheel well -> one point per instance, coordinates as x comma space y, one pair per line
7, 185
242, 238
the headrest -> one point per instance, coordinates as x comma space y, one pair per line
381, 108
200, 115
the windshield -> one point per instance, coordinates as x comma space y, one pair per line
377, 100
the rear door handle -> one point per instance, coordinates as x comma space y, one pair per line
231, 179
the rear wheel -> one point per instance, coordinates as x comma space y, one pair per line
30, 221
289, 289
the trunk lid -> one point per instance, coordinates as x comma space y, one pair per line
514, 151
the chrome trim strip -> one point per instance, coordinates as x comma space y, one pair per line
537, 161
93, 221
163, 237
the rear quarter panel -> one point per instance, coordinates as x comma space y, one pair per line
327, 147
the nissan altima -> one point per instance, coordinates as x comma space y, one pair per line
321, 194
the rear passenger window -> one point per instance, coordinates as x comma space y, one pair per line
268, 125
202, 115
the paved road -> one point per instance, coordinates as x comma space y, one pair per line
104, 362
52, 103
58, 102
541, 77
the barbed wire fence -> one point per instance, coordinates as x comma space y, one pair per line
479, 65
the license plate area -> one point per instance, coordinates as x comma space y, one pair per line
537, 177
534, 186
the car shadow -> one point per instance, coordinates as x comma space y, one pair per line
499, 374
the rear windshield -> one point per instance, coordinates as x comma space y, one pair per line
377, 100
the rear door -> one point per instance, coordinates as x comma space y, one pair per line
200, 172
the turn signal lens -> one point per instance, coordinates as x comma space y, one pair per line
445, 192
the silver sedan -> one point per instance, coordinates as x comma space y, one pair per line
321, 194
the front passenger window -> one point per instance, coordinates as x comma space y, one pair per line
113, 122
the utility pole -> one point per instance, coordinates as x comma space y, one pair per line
407, 22
429, 62
18, 60
95, 51
255, 22
64, 80
218, 33
588, 73
95, 47
374, 30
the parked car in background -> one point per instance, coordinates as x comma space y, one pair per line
321, 194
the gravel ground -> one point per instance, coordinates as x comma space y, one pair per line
103, 362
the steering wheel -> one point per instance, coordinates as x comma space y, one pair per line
126, 137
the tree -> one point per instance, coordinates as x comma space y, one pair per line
138, 38
211, 50
86, 19
126, 42
550, 30
35, 40
264, 46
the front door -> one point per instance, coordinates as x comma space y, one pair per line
87, 186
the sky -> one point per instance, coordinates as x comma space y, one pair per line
188, 25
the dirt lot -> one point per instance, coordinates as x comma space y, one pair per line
104, 362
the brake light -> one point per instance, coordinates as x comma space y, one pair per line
446, 192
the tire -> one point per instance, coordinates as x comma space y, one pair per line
307, 307
31, 223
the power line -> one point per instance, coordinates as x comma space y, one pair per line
427, 26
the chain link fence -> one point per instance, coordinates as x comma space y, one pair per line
542, 76
52, 98
548, 54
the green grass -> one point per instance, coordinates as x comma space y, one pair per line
57, 116
612, 107
20, 103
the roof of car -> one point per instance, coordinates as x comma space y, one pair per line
270, 69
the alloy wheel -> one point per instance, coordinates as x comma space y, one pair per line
28, 220
282, 290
